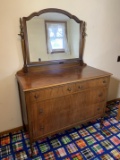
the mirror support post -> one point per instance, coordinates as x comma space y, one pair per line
82, 40
25, 68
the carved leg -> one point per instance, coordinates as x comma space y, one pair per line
118, 114
101, 122
32, 149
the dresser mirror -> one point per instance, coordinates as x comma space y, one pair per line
52, 36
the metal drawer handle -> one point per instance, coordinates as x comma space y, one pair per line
104, 81
36, 96
69, 89
98, 109
40, 110
42, 128
80, 87
100, 95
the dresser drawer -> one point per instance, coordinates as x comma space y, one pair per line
99, 108
80, 86
47, 93
101, 82
92, 110
52, 92
96, 95
62, 90
68, 88
51, 115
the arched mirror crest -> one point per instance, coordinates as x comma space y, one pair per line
52, 36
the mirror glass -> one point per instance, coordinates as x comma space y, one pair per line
53, 36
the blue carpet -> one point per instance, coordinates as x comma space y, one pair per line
82, 142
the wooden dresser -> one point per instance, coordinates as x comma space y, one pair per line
55, 100
57, 89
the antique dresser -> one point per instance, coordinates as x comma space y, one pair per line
62, 91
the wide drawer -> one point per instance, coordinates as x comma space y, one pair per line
96, 95
94, 109
52, 92
51, 115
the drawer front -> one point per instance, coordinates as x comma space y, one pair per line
62, 90
92, 110
86, 85
80, 86
96, 95
101, 82
76, 107
99, 108
68, 88
52, 92
47, 93
50, 115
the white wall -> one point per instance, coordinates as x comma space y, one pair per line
101, 51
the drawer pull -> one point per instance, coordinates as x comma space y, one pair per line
36, 96
104, 81
80, 87
40, 110
100, 95
41, 128
69, 89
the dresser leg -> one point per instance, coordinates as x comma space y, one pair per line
32, 150
101, 122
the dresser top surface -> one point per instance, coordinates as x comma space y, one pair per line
32, 81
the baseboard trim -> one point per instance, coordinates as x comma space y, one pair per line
11, 130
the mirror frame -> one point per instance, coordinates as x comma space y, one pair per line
25, 45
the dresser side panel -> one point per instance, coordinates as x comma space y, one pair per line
23, 107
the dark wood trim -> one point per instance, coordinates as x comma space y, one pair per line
52, 10
27, 55
82, 39
56, 62
12, 130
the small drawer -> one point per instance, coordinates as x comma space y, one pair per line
47, 93
96, 95
41, 94
92, 110
68, 88
81, 86
99, 82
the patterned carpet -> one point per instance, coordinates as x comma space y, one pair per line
82, 142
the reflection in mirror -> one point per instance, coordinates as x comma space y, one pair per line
53, 36
56, 36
